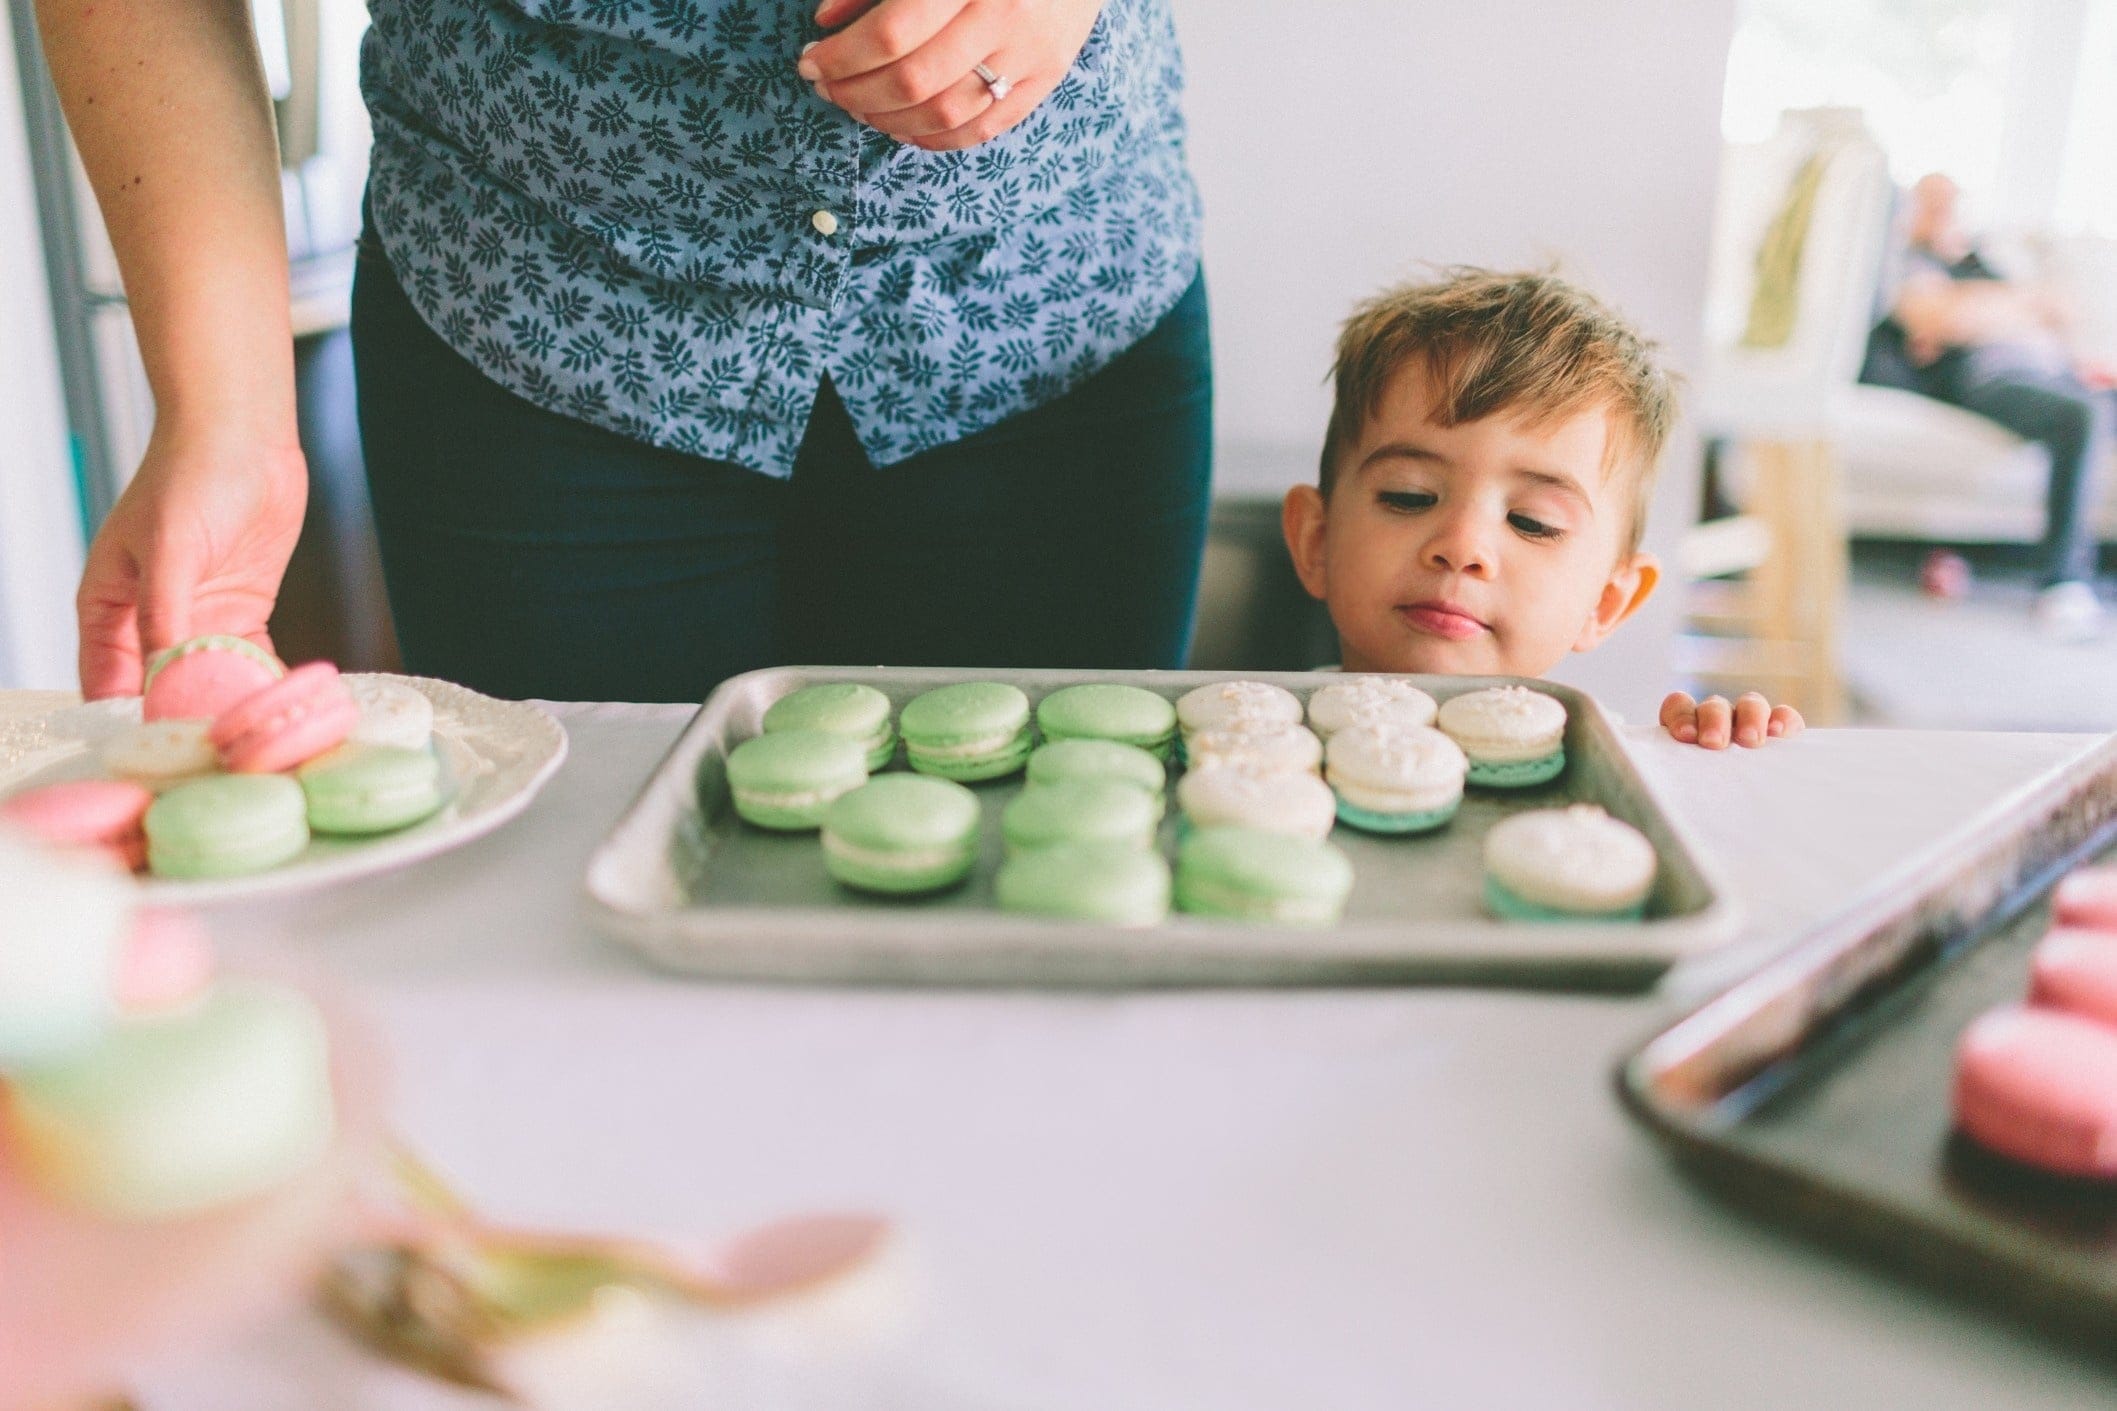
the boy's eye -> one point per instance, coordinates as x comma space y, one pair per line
1407, 499
1534, 528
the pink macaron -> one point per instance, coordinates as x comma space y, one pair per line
2087, 898
2040, 1086
101, 814
200, 678
288, 723
2076, 971
167, 961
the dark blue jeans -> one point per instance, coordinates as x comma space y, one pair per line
529, 554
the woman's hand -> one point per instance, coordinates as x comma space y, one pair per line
1713, 724
906, 67
197, 543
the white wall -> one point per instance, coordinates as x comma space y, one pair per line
1341, 142
40, 535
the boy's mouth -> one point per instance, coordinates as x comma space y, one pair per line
1442, 619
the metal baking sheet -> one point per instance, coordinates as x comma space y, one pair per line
688, 884
1816, 1092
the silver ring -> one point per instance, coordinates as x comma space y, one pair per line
1000, 84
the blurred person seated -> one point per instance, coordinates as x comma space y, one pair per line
1955, 329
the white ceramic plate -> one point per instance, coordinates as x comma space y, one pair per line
496, 755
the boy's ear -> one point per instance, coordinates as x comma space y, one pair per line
1301, 517
1630, 584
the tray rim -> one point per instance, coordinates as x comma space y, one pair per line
1899, 937
754, 942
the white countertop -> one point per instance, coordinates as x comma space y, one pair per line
1382, 1198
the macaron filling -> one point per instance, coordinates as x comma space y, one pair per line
1517, 774
1510, 905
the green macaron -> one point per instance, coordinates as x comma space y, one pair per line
1250, 875
227, 825
788, 780
1077, 810
838, 708
1130, 715
1097, 759
970, 731
1111, 882
360, 789
902, 833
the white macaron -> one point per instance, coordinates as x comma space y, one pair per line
1277, 801
1369, 700
1577, 861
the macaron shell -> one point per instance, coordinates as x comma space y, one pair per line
1112, 883
69, 914
391, 713
184, 1111
1080, 810
1250, 874
902, 833
1131, 715
167, 961
1516, 774
360, 789
2087, 898
227, 825
787, 780
2040, 1087
2076, 971
103, 815
161, 753
202, 681
288, 723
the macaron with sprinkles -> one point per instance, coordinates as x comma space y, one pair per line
1236, 705
1514, 737
1130, 715
288, 723
1274, 800
1369, 700
849, 708
161, 753
1567, 864
970, 731
1395, 781
1266, 746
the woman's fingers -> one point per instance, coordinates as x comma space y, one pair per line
938, 70
890, 32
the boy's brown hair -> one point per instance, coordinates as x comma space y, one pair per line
1530, 343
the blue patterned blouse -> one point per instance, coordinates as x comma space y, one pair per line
636, 213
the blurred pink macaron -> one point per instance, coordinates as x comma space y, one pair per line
100, 814
199, 678
288, 723
2087, 898
167, 961
2076, 971
2040, 1086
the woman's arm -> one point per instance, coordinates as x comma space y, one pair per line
167, 103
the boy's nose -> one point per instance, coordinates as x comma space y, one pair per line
1460, 544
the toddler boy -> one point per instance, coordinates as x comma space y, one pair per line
1484, 488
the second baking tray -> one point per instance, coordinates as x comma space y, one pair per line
1816, 1092
684, 881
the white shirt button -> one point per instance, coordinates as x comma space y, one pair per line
825, 223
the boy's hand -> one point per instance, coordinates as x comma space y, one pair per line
1713, 724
